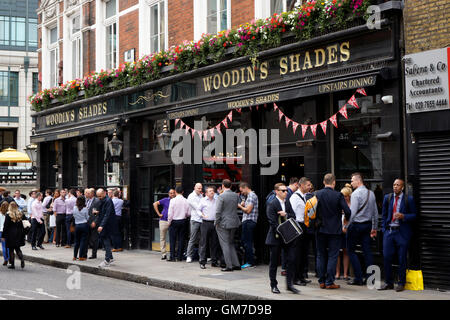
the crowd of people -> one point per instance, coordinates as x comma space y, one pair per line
342, 221
78, 218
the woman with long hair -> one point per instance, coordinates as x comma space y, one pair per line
52, 219
3, 212
81, 216
347, 192
14, 234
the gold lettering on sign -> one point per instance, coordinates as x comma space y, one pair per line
322, 59
283, 65
347, 84
264, 71
307, 61
60, 118
295, 62
345, 51
332, 54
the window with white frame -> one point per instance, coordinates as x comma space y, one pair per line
77, 56
53, 51
157, 26
217, 16
111, 34
279, 6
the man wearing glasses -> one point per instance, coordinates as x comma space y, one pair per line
278, 211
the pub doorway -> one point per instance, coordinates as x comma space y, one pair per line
154, 184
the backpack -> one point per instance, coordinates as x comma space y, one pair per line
311, 210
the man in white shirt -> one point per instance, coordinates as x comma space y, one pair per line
32, 195
196, 219
207, 231
298, 202
19, 200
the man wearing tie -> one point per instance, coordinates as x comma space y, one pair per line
278, 211
396, 226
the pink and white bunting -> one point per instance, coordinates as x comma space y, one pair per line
176, 121
352, 102
323, 124
313, 129
287, 121
275, 107
280, 115
343, 111
294, 126
333, 120
211, 132
225, 123
362, 91
304, 128
230, 116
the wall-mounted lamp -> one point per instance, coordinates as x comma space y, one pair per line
387, 99
387, 136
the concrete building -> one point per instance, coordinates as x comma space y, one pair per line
18, 71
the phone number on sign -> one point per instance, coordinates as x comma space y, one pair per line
429, 104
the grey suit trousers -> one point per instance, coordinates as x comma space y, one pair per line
226, 240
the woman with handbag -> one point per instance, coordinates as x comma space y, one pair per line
3, 212
14, 230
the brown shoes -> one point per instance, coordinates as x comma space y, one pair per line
67, 246
322, 286
333, 286
74, 259
117, 250
82, 259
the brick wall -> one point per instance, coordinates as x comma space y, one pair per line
426, 25
129, 34
125, 4
88, 38
181, 21
242, 11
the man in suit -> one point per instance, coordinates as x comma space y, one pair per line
105, 225
396, 227
330, 206
278, 211
227, 223
92, 203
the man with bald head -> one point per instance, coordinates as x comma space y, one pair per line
196, 219
398, 214
105, 225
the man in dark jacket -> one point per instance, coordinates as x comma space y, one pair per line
104, 221
278, 211
92, 203
330, 206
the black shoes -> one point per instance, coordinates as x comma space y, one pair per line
11, 267
170, 260
293, 290
93, 257
214, 265
302, 282
202, 266
41, 247
386, 287
400, 288
237, 268
22, 263
355, 283
163, 258
226, 269
275, 290
5, 263
33, 248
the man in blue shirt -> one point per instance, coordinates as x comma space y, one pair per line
19, 200
249, 209
163, 223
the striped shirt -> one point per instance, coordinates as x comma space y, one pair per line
253, 215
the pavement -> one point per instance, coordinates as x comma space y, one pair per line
146, 267
41, 282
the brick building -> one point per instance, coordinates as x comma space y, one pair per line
77, 37
427, 138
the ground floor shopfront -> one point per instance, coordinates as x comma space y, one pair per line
309, 83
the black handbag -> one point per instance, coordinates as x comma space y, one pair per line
289, 230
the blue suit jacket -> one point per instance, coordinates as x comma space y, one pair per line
329, 208
405, 224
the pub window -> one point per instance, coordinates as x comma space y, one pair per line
279, 6
111, 34
218, 17
158, 26
53, 52
9, 88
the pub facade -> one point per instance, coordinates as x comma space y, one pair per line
298, 83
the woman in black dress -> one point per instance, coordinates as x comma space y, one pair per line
14, 233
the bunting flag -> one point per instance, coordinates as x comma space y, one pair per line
323, 124
294, 126
257, 108
239, 110
186, 130
225, 123
352, 102
362, 91
313, 129
176, 121
192, 133
230, 116
343, 111
200, 134
211, 132
333, 120
182, 124
275, 107
265, 105
280, 115
205, 134
250, 108
304, 128
287, 121
218, 127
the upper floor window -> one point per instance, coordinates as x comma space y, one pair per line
15, 30
111, 34
53, 52
76, 48
217, 17
9, 88
157, 27
35, 82
266, 8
